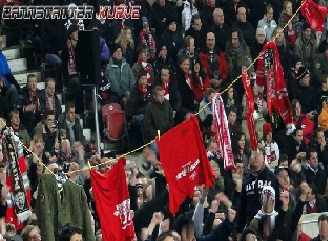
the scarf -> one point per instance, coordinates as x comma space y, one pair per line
165, 86
290, 31
34, 98
143, 91
237, 50
71, 65
188, 80
277, 95
48, 106
222, 135
145, 66
148, 40
249, 110
18, 197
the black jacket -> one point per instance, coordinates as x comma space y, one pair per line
248, 31
42, 99
138, 101
187, 95
222, 35
290, 148
318, 178
199, 37
251, 193
159, 15
53, 36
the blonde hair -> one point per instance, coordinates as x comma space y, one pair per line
122, 40
276, 31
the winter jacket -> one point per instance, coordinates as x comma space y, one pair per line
323, 117
220, 233
187, 95
187, 14
173, 41
159, 63
300, 49
78, 130
159, 15
158, 116
121, 78
268, 27
4, 69
282, 21
251, 195
321, 68
290, 148
199, 37
138, 101
317, 176
42, 99
219, 66
222, 35
55, 209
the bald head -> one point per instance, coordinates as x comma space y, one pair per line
218, 16
210, 40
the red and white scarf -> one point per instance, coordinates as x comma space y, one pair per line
146, 67
277, 95
48, 106
18, 198
249, 110
290, 31
150, 43
188, 80
71, 65
143, 90
165, 86
222, 135
34, 98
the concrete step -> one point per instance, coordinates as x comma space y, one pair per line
4, 41
12, 53
21, 77
17, 65
41, 85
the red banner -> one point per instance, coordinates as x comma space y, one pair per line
184, 160
315, 14
113, 203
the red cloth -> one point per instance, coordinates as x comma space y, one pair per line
148, 70
290, 31
304, 237
277, 95
222, 65
249, 110
199, 88
165, 86
315, 14
113, 203
143, 90
184, 161
307, 125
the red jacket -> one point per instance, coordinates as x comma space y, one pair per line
222, 65
199, 90
307, 126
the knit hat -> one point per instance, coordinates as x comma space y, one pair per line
266, 129
305, 26
302, 72
160, 46
145, 22
296, 59
260, 31
114, 47
170, 20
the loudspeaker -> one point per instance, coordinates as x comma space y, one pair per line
89, 57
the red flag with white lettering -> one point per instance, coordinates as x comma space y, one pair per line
184, 160
113, 203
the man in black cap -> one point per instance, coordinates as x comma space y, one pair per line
69, 65
306, 46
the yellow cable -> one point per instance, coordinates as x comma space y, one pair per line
202, 109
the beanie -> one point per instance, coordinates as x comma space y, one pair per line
266, 129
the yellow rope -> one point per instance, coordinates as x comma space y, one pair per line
141, 147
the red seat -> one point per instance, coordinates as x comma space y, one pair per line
114, 121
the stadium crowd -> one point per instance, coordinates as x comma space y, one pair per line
162, 68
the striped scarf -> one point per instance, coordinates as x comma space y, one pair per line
48, 106
34, 98
18, 198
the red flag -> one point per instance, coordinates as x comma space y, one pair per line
315, 14
184, 161
113, 204
277, 95
249, 110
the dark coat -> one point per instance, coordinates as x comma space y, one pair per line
42, 99
138, 102
187, 95
53, 36
78, 131
318, 178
